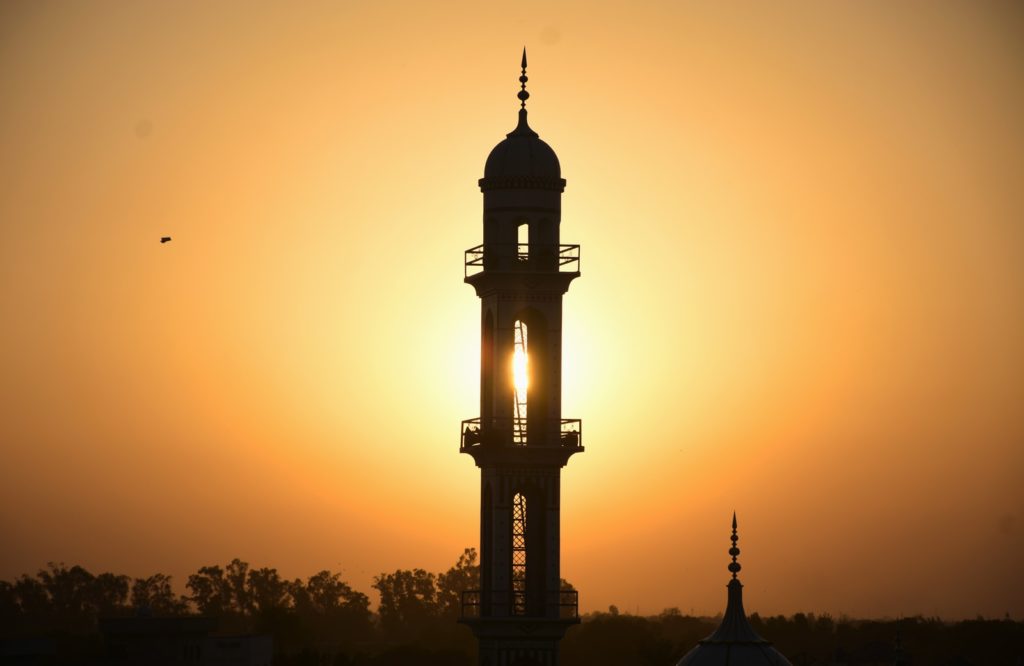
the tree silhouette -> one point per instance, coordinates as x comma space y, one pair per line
420, 609
76, 597
155, 595
222, 592
210, 591
266, 591
607, 638
324, 611
330, 610
33, 599
408, 601
465, 575
67, 590
108, 593
236, 575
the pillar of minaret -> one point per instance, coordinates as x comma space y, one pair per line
520, 441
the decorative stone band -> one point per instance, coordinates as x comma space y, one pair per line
522, 183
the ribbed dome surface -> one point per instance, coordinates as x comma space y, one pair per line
733, 654
734, 643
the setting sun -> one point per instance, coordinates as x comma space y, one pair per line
520, 371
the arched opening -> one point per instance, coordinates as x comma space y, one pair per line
487, 371
529, 379
519, 554
529, 557
520, 381
523, 242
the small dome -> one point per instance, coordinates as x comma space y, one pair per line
734, 654
734, 642
523, 155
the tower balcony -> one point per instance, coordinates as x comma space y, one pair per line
561, 604
521, 258
513, 432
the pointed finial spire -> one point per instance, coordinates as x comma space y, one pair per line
523, 95
734, 567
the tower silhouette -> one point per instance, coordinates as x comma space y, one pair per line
520, 441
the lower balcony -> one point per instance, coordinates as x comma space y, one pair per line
561, 604
521, 432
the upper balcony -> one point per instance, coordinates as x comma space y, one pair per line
521, 258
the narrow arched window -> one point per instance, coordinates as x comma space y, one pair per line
523, 242
520, 382
519, 554
487, 372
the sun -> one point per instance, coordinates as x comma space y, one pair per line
520, 371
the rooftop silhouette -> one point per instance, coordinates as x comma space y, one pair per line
734, 642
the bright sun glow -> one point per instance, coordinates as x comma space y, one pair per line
520, 373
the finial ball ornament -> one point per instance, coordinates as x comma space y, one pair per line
522, 160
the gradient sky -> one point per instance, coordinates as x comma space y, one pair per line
802, 229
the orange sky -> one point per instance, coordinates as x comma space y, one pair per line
802, 297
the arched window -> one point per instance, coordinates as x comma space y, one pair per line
487, 371
519, 554
520, 382
523, 242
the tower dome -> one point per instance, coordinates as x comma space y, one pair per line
734, 643
522, 154
522, 160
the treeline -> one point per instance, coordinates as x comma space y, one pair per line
321, 615
323, 620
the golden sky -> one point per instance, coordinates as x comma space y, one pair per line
802, 229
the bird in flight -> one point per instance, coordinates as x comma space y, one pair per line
165, 239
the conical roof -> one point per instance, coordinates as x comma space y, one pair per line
734, 642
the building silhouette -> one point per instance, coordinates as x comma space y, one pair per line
520, 441
734, 642
145, 640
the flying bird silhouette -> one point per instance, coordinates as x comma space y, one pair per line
165, 239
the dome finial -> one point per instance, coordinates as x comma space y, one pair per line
734, 567
523, 95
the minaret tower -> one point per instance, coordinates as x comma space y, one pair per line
520, 441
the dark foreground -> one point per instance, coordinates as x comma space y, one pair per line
242, 616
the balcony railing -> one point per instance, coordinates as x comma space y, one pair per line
506, 431
563, 604
519, 257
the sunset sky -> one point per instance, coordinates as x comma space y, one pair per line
802, 231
